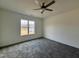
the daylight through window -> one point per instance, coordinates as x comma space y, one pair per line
27, 27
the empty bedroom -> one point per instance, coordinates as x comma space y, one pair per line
39, 28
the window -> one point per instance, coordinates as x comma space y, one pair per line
27, 27
31, 27
24, 27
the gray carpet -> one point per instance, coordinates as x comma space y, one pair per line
40, 48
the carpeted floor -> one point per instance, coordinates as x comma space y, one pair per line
40, 48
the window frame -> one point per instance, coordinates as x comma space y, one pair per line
28, 27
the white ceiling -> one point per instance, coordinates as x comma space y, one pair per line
27, 6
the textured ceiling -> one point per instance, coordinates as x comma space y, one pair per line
27, 6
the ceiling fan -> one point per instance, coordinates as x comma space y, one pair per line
45, 6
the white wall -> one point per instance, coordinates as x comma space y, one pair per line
10, 25
63, 28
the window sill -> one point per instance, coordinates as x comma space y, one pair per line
27, 35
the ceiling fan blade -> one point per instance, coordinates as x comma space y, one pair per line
43, 3
37, 9
50, 3
49, 9
42, 11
